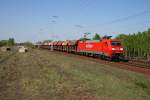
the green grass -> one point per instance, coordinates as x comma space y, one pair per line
45, 75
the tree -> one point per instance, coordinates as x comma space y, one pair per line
122, 36
3, 42
84, 39
96, 37
136, 43
11, 41
28, 44
47, 40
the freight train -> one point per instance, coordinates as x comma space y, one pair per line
106, 48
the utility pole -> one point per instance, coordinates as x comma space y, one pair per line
86, 33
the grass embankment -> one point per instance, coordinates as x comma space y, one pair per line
44, 75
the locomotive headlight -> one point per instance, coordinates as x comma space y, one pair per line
121, 49
112, 48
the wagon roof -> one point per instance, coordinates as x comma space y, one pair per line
72, 42
59, 42
65, 42
55, 42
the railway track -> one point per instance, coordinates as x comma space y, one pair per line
138, 64
142, 68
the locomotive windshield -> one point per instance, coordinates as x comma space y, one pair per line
115, 43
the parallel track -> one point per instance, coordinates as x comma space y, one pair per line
131, 66
138, 64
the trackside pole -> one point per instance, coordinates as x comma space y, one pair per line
51, 47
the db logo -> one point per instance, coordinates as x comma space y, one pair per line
89, 46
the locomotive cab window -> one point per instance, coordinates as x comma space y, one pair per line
115, 43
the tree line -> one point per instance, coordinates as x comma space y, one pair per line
136, 43
9, 42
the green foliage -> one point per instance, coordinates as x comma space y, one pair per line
84, 39
47, 40
28, 44
3, 42
9, 42
122, 36
137, 41
96, 37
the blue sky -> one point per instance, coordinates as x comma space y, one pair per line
33, 20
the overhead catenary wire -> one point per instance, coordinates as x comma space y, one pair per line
122, 19
86, 3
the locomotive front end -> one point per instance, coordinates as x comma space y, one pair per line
117, 50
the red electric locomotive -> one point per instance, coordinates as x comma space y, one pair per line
105, 48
